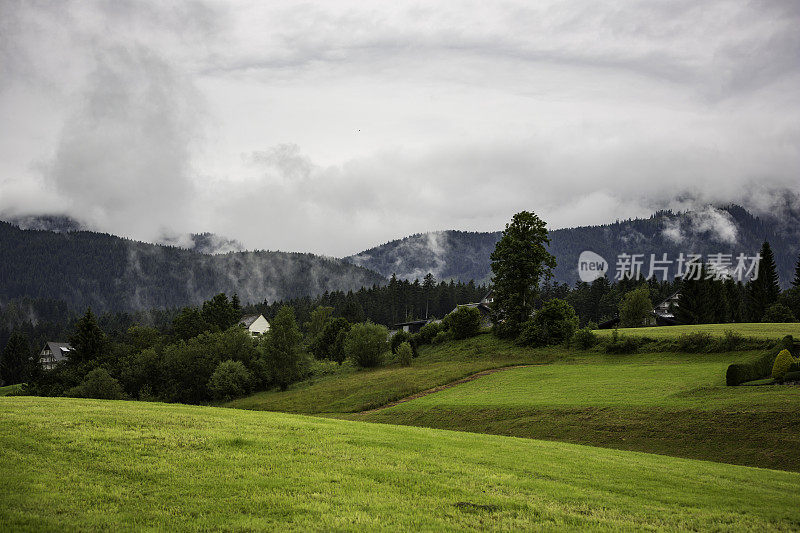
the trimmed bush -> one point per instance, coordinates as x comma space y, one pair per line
584, 338
464, 322
229, 380
405, 354
365, 344
783, 362
759, 368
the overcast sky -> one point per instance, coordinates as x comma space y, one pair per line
333, 126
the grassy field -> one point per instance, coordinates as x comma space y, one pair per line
365, 389
10, 389
674, 404
69, 464
755, 330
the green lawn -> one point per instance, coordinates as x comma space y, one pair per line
675, 404
755, 330
366, 389
69, 464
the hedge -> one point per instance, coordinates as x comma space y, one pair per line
758, 368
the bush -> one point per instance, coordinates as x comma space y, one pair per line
365, 344
731, 341
695, 342
464, 322
792, 376
230, 380
758, 368
405, 354
326, 345
554, 323
584, 338
443, 336
778, 313
622, 345
428, 332
397, 339
783, 363
98, 384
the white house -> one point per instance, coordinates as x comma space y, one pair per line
255, 324
53, 353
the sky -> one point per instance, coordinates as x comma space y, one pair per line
331, 127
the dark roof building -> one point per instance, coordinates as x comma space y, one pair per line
53, 353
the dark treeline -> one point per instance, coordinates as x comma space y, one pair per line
398, 301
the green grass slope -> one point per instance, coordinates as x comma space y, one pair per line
10, 389
755, 330
366, 389
69, 464
674, 404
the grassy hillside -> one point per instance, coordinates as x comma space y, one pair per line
88, 464
756, 330
668, 403
353, 391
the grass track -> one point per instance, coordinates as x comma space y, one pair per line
89, 465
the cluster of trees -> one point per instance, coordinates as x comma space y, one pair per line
398, 301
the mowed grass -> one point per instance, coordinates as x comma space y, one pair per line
69, 464
366, 389
676, 404
755, 330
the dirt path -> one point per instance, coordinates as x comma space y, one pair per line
420, 394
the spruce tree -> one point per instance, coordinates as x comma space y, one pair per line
88, 342
796, 280
16, 363
764, 290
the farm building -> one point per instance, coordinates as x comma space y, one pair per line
53, 353
484, 306
255, 324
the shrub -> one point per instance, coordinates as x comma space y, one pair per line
694, 342
98, 384
622, 344
584, 338
731, 340
230, 380
783, 362
591, 325
792, 376
554, 323
758, 368
443, 336
325, 343
365, 344
428, 332
397, 339
405, 354
464, 322
778, 313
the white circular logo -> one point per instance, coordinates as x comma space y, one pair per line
591, 266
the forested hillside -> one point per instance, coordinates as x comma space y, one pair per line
465, 255
112, 273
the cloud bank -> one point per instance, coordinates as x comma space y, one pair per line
331, 127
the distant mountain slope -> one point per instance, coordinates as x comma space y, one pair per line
112, 273
465, 255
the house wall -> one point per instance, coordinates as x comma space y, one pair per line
259, 327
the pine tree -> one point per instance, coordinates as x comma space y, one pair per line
89, 343
764, 289
796, 280
16, 363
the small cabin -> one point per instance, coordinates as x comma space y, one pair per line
53, 353
412, 326
256, 324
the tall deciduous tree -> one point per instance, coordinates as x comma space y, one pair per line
636, 308
281, 348
764, 290
519, 263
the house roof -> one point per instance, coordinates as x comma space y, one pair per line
59, 349
411, 323
248, 320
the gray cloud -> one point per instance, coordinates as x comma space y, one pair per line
331, 127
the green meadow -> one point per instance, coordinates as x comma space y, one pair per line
69, 464
754, 330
